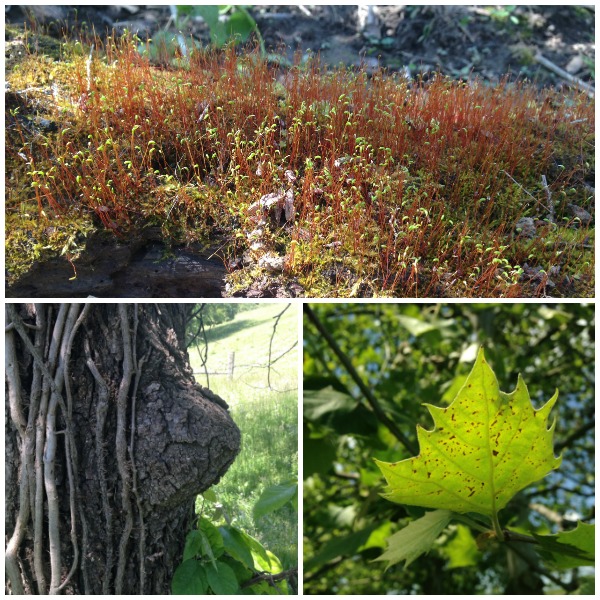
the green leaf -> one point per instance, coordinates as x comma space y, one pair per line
340, 546
240, 24
237, 545
189, 578
320, 402
212, 541
222, 580
262, 559
193, 544
484, 448
318, 455
210, 13
242, 573
378, 538
360, 421
264, 588
275, 497
270, 564
209, 495
462, 550
416, 538
414, 326
568, 549
453, 388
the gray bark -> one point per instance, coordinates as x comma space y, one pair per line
108, 442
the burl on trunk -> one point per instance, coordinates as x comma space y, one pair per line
108, 442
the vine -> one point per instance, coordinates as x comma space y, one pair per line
39, 444
66, 326
121, 445
86, 506
101, 411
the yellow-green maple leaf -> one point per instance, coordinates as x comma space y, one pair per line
485, 447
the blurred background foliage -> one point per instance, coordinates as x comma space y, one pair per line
407, 354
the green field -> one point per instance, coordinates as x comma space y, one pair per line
267, 417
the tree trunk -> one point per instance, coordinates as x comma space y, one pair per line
108, 442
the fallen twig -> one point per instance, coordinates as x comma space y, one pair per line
586, 87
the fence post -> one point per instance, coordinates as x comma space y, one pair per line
231, 364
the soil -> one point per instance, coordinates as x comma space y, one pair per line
459, 41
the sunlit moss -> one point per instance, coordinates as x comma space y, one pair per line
390, 180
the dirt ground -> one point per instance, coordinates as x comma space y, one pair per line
459, 41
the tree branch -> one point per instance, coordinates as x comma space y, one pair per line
269, 363
369, 396
575, 435
284, 575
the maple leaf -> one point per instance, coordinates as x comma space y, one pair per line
568, 549
485, 447
416, 538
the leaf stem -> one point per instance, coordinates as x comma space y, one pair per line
513, 536
470, 522
497, 528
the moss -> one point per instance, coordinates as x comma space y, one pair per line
395, 189
21, 43
524, 54
30, 239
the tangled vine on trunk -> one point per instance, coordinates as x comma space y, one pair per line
108, 441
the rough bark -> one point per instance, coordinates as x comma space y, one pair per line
108, 441
137, 268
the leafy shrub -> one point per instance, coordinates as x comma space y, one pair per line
225, 560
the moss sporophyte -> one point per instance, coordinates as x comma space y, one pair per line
350, 184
